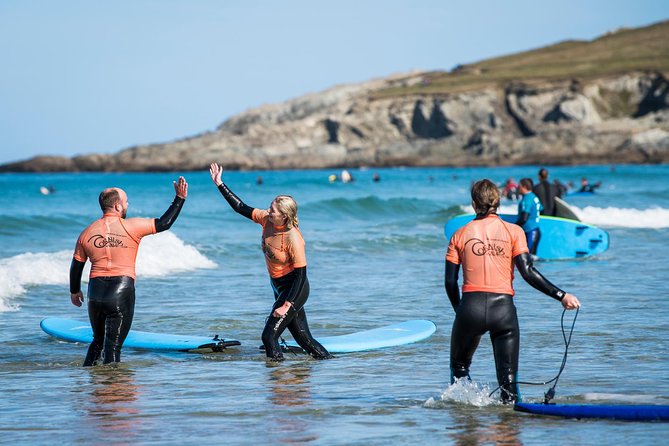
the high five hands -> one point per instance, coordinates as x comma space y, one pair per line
215, 171
181, 188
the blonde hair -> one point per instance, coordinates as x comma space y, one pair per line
288, 208
485, 196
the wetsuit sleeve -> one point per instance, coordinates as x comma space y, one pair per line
451, 283
298, 284
235, 203
535, 278
169, 217
76, 268
522, 218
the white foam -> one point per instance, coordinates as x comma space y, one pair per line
608, 217
624, 217
158, 255
464, 391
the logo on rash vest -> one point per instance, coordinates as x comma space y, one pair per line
481, 248
100, 241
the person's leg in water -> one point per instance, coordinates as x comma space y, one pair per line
120, 312
274, 326
468, 327
299, 328
97, 287
111, 303
295, 320
505, 337
272, 331
533, 238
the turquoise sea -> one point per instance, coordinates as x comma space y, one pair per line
376, 256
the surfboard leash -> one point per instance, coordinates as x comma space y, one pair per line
550, 394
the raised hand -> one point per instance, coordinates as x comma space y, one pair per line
181, 188
216, 171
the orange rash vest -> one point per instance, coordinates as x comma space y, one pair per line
284, 249
486, 248
111, 243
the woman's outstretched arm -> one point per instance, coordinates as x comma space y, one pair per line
233, 200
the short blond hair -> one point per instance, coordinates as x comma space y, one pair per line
288, 208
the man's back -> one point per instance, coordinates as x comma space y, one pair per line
111, 243
546, 193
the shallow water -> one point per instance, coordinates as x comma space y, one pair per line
375, 254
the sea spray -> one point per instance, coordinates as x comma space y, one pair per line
158, 255
652, 218
464, 391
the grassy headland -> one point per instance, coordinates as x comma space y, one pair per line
615, 53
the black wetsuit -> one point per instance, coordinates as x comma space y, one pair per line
295, 319
480, 312
111, 302
292, 287
547, 192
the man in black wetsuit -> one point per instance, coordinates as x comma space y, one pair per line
488, 248
546, 193
111, 243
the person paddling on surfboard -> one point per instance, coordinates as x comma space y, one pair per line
528, 214
285, 256
488, 248
111, 244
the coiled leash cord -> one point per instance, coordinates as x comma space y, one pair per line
550, 394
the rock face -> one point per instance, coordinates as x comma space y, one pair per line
621, 119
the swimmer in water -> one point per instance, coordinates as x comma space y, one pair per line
285, 256
488, 248
111, 244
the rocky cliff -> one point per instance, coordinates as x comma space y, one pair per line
486, 115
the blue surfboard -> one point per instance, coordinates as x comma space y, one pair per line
77, 331
628, 412
560, 238
580, 194
388, 336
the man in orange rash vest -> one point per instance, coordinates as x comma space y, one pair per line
111, 244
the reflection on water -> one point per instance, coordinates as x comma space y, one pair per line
471, 429
290, 395
112, 408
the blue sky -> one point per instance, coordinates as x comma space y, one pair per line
89, 76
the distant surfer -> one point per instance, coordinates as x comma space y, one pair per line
47, 190
488, 248
510, 189
346, 176
546, 192
587, 187
111, 244
528, 214
285, 256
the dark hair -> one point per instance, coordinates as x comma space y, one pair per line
108, 198
485, 196
527, 183
543, 174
